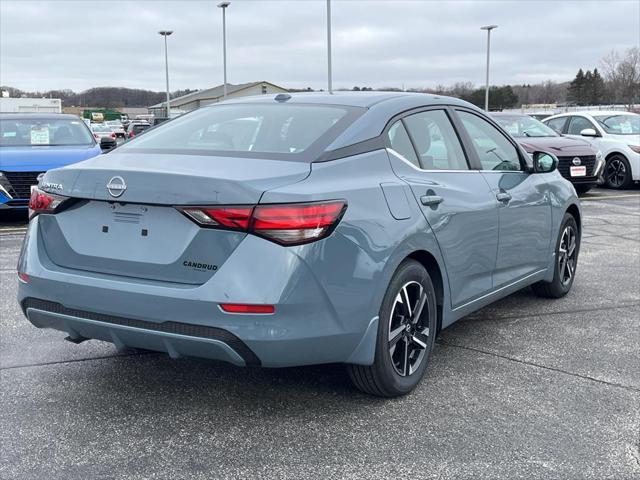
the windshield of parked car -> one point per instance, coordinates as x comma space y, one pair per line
245, 130
27, 132
619, 124
524, 126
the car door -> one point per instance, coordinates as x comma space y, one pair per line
523, 199
455, 200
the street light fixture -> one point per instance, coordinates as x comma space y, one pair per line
488, 28
223, 6
165, 34
329, 74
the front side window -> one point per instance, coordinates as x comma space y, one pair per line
578, 124
28, 132
282, 129
401, 143
436, 141
494, 150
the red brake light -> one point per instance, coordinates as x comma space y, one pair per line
43, 202
243, 308
236, 218
23, 277
113, 135
296, 223
286, 224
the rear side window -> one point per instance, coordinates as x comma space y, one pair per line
494, 150
283, 130
436, 141
401, 143
557, 123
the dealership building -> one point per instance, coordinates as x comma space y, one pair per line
208, 96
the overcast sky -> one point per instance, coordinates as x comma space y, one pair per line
81, 44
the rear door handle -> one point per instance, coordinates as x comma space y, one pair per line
503, 197
431, 200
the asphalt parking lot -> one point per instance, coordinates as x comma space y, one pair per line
526, 388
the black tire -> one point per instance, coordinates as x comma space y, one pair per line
560, 285
392, 373
617, 172
580, 189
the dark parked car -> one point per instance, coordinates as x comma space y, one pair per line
136, 128
578, 161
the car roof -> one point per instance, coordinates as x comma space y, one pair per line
41, 116
351, 99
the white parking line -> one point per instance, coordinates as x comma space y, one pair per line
610, 196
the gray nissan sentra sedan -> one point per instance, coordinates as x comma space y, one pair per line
299, 229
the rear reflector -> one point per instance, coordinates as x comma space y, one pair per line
243, 308
286, 224
23, 277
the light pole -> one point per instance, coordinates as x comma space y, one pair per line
488, 28
165, 34
223, 6
329, 81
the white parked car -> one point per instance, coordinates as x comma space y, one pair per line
101, 130
615, 134
117, 127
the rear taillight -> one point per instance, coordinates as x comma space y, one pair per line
44, 202
96, 136
113, 135
286, 224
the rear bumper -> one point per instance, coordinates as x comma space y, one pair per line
308, 327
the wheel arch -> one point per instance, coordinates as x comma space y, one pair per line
429, 262
615, 152
574, 211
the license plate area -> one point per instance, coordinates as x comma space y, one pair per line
578, 171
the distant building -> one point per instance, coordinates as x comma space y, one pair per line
208, 96
30, 105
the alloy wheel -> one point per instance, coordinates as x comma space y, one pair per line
567, 255
616, 172
408, 329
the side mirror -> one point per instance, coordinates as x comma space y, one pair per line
107, 144
544, 162
589, 132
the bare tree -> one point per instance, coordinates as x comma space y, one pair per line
622, 74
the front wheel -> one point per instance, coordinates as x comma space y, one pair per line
566, 261
406, 334
617, 172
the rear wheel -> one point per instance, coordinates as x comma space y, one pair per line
406, 334
617, 172
567, 249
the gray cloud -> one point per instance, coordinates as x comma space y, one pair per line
81, 44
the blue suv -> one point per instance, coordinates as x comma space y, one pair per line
31, 144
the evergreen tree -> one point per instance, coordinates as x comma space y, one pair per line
597, 89
576, 88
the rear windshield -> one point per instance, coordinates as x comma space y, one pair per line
27, 132
248, 130
619, 124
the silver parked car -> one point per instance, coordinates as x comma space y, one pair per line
299, 229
